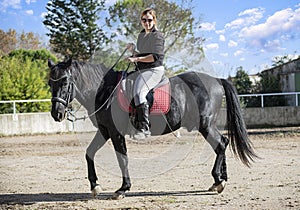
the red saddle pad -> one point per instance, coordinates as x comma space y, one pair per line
161, 103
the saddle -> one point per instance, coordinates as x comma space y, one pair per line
159, 98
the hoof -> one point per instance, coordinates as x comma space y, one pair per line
221, 186
118, 195
217, 188
213, 188
96, 191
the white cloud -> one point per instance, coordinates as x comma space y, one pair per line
220, 31
272, 45
213, 46
251, 17
237, 53
222, 38
232, 43
224, 54
30, 1
208, 26
15, 4
43, 14
29, 12
235, 23
281, 24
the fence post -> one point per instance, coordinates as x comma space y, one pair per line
15, 116
262, 101
296, 99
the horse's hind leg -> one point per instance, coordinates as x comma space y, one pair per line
219, 144
97, 142
121, 152
224, 166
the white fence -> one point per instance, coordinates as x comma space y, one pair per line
14, 102
43, 123
295, 101
34, 123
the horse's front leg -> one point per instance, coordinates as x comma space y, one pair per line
98, 141
121, 152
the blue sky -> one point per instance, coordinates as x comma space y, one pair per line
247, 33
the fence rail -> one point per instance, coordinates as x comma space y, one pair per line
14, 102
263, 95
262, 99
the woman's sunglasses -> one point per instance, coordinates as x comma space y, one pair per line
147, 20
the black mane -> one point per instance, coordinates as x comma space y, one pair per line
88, 76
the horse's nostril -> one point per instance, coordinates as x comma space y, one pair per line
60, 116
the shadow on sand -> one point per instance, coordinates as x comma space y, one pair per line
28, 199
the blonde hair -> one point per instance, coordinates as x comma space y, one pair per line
150, 12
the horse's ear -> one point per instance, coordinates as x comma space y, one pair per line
50, 63
69, 62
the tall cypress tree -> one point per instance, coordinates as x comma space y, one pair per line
73, 27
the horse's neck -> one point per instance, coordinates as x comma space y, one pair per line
86, 89
87, 99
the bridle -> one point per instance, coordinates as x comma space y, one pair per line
71, 85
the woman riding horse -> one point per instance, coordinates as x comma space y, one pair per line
149, 64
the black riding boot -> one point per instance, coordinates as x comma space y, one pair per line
142, 122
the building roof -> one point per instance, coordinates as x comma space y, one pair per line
292, 66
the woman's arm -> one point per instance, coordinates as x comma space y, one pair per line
145, 59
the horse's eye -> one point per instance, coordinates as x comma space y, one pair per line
65, 83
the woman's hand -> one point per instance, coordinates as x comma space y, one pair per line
133, 59
131, 47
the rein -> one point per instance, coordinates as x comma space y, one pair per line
93, 113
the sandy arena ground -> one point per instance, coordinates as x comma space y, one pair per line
49, 172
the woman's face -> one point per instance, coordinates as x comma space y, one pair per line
147, 22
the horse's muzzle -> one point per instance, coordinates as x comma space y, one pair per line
58, 112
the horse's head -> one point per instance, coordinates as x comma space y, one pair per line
62, 88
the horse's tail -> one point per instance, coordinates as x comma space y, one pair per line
240, 142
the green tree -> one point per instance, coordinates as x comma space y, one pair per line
23, 76
242, 81
175, 21
109, 56
73, 28
279, 60
271, 84
244, 85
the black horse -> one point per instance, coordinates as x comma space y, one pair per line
196, 99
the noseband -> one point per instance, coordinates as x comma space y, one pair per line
58, 99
